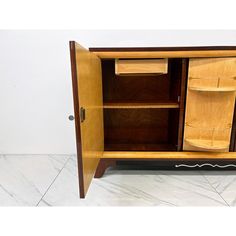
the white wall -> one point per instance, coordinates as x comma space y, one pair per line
35, 81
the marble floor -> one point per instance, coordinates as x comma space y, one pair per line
51, 180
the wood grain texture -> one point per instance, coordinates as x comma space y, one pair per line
77, 118
165, 54
212, 68
209, 114
211, 144
151, 49
136, 126
127, 88
158, 66
182, 102
102, 166
232, 147
141, 112
169, 155
140, 147
212, 83
140, 105
88, 67
212, 89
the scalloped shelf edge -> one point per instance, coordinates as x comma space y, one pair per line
211, 89
205, 144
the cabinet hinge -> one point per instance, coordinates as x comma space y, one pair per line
82, 114
178, 98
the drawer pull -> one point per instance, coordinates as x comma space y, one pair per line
82, 114
205, 164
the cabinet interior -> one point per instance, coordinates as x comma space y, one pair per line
141, 111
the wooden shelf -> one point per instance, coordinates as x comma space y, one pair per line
212, 89
208, 144
169, 155
139, 105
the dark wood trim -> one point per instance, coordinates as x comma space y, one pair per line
161, 164
182, 102
140, 49
232, 146
165, 162
77, 119
102, 166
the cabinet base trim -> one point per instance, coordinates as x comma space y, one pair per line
168, 155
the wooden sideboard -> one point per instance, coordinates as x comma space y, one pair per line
174, 105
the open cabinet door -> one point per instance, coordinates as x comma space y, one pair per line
210, 104
88, 107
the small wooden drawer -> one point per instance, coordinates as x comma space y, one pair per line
148, 66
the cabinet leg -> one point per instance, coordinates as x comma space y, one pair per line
102, 166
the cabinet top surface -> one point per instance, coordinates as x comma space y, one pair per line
165, 52
182, 48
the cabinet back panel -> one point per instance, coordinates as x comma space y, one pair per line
173, 127
145, 88
138, 129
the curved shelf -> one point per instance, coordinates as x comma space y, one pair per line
212, 89
208, 144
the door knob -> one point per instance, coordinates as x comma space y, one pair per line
71, 117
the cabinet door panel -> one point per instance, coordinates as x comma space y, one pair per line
87, 93
210, 104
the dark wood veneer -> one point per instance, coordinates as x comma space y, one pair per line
77, 119
136, 126
102, 166
143, 88
143, 129
140, 49
232, 147
182, 102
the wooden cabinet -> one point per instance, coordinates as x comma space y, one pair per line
169, 105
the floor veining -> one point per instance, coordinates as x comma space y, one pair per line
52, 180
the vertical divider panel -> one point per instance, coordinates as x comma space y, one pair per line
232, 147
182, 101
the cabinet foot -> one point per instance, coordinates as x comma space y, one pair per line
102, 166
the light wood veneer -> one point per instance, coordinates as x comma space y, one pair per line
210, 104
166, 54
88, 70
155, 66
168, 155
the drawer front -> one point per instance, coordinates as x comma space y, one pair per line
151, 66
210, 104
